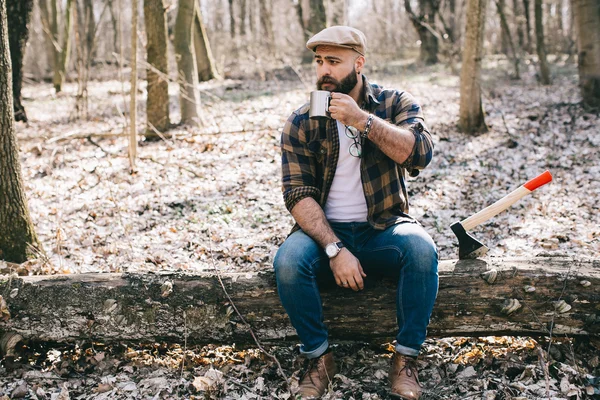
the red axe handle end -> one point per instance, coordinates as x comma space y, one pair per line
538, 181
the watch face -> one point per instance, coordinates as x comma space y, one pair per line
331, 250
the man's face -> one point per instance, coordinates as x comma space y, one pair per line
336, 69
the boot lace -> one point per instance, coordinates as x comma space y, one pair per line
411, 367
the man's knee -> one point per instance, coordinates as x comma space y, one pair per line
294, 258
419, 247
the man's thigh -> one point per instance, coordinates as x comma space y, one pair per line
300, 256
387, 251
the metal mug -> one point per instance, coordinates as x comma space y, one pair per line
319, 104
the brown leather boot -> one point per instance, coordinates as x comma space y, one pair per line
315, 380
403, 378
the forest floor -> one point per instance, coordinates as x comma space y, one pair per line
213, 193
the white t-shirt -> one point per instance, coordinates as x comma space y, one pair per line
346, 201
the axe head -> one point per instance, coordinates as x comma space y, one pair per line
468, 246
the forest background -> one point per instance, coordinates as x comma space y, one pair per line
176, 167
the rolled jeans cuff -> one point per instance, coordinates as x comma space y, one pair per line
318, 352
406, 351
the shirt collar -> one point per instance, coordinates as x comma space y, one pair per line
370, 97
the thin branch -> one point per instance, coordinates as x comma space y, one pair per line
258, 344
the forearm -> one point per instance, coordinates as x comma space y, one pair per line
396, 142
310, 217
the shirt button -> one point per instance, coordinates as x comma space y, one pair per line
323, 151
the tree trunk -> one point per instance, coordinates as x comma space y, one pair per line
587, 21
157, 104
46, 17
207, 69
134, 86
539, 44
185, 54
90, 30
157, 307
115, 26
231, 20
424, 24
504, 33
511, 46
266, 20
519, 21
62, 54
19, 13
243, 18
471, 118
337, 12
18, 241
528, 45
313, 20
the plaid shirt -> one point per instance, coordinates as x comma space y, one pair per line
310, 150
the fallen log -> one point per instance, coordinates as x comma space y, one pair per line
476, 297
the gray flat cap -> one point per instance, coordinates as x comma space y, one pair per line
341, 36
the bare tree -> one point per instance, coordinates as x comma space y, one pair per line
266, 20
528, 44
424, 23
511, 44
587, 18
187, 71
539, 44
61, 54
134, 85
157, 104
207, 69
312, 17
471, 118
19, 13
18, 240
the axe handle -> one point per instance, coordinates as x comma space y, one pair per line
506, 201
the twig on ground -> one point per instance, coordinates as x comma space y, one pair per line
191, 171
92, 141
258, 344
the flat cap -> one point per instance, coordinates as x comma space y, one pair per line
341, 36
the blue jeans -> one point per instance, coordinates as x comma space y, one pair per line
404, 251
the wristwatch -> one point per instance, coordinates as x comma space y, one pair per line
332, 249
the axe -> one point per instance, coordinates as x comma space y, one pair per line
468, 246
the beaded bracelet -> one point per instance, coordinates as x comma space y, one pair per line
365, 134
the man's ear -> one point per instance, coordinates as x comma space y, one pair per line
359, 63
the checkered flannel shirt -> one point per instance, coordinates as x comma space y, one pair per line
310, 150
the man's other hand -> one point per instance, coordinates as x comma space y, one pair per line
344, 109
347, 271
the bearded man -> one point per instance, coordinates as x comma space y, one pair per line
343, 182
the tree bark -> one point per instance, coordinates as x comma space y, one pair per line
19, 13
134, 86
313, 20
424, 24
185, 54
61, 60
266, 19
231, 20
471, 118
528, 46
519, 21
157, 104
18, 240
156, 307
587, 21
207, 69
510, 43
539, 44
504, 34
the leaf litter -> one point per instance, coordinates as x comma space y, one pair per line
202, 194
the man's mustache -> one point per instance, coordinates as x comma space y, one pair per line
328, 79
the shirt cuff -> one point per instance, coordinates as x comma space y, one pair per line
293, 196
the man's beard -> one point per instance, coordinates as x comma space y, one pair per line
344, 86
